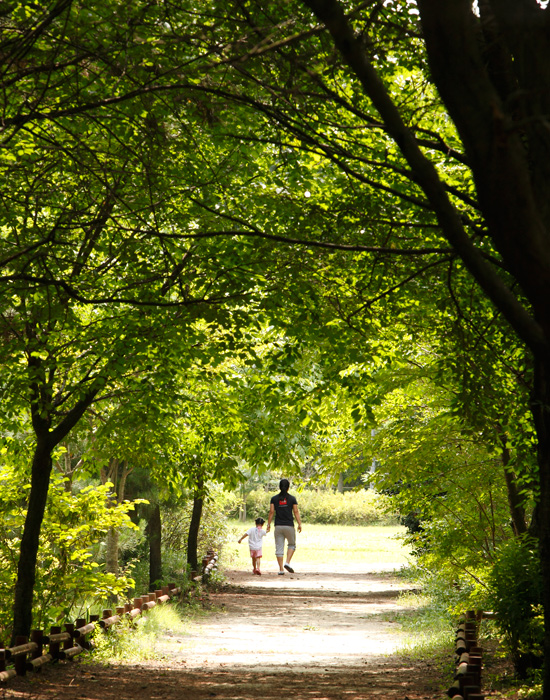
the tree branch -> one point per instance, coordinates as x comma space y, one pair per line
331, 13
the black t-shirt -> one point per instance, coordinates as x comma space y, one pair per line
284, 503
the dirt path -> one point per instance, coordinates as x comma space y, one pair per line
313, 635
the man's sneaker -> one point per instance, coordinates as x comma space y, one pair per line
289, 568
281, 573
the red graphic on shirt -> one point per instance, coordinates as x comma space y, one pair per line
283, 503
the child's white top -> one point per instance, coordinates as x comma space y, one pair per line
255, 535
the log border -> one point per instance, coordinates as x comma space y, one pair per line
469, 664
30, 656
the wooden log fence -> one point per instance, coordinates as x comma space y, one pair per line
31, 655
209, 564
467, 680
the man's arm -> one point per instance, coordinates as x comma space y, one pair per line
297, 516
270, 516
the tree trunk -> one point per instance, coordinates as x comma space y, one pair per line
111, 551
154, 534
515, 501
193, 536
242, 509
112, 474
26, 568
41, 469
541, 414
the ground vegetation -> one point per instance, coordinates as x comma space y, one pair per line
183, 181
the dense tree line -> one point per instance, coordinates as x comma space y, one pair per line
274, 207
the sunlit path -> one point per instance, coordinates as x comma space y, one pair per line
314, 618
314, 635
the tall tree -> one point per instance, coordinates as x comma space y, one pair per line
283, 141
438, 111
507, 148
95, 284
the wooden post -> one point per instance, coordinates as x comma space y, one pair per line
68, 643
20, 661
37, 637
54, 645
81, 637
466, 680
81, 629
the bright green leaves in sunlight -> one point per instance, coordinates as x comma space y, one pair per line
70, 574
215, 261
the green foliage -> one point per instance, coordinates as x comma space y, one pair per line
68, 577
445, 478
532, 690
428, 624
213, 530
133, 641
213, 534
516, 597
364, 507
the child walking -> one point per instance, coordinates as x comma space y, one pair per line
255, 536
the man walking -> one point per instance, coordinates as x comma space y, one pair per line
285, 508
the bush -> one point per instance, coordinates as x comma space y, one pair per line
516, 596
67, 577
213, 533
329, 508
133, 641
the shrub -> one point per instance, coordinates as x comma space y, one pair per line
66, 574
516, 596
136, 641
213, 531
330, 508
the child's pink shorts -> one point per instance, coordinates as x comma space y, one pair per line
256, 553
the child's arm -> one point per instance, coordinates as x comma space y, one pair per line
242, 538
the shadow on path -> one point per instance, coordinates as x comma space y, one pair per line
316, 635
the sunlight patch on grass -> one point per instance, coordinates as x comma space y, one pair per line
375, 545
129, 642
428, 630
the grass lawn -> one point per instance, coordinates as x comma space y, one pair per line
320, 544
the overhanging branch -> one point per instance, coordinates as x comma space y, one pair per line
352, 50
